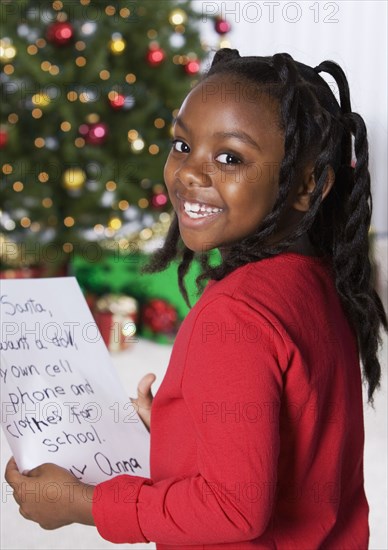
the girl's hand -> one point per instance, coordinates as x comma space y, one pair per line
50, 495
143, 403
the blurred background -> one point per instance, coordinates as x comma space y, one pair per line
89, 90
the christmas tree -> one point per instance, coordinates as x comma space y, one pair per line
89, 93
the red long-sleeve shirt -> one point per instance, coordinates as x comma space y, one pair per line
257, 428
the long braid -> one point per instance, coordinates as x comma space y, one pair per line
328, 227
162, 258
342, 82
352, 263
183, 268
350, 250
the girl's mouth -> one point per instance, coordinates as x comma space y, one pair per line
194, 214
197, 210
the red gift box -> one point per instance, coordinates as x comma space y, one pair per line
116, 317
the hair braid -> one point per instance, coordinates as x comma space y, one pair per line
352, 264
288, 74
338, 74
161, 259
342, 82
183, 268
225, 54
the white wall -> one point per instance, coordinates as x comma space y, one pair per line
352, 33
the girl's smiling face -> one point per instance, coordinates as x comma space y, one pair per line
222, 171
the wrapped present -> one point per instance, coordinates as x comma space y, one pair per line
121, 274
116, 316
159, 321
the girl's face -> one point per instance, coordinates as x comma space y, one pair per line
222, 171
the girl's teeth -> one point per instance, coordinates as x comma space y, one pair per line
197, 215
194, 208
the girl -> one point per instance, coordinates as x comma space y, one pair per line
257, 429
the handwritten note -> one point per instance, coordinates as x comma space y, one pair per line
61, 400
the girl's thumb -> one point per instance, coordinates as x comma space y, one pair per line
144, 394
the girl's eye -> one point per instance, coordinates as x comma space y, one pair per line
180, 146
228, 158
224, 158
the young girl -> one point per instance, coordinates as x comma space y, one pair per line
257, 429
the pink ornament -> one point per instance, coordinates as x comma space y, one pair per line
60, 33
192, 67
159, 200
155, 56
222, 26
117, 102
3, 138
94, 134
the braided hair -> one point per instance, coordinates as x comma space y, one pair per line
316, 128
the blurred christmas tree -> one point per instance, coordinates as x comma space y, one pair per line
89, 92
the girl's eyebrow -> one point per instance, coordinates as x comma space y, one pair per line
180, 123
238, 134
241, 135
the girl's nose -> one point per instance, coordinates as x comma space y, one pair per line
193, 174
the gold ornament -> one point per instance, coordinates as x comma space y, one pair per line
115, 224
7, 50
41, 99
178, 17
73, 178
145, 240
117, 45
10, 251
137, 145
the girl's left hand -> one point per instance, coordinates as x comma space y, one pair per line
50, 495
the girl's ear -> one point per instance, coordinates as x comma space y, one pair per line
301, 200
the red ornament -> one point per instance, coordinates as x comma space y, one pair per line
117, 102
160, 316
60, 33
192, 67
155, 56
159, 200
3, 138
222, 26
94, 134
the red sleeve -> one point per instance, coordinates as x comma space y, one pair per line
232, 386
114, 509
